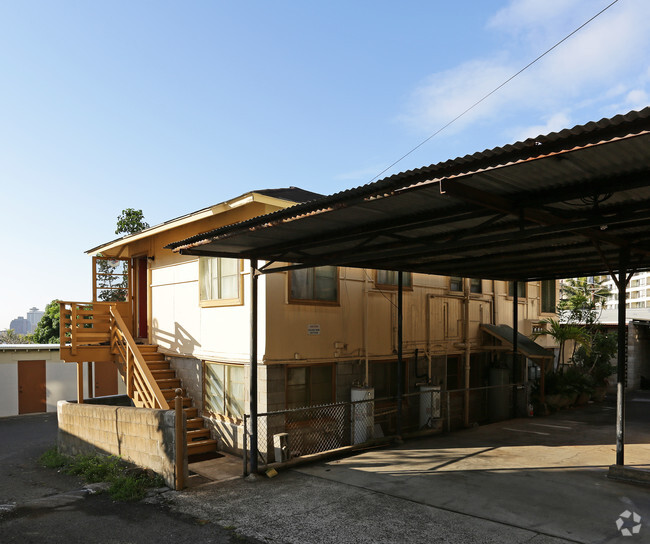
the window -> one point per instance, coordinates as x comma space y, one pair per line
548, 296
314, 285
309, 385
111, 279
223, 392
456, 284
387, 279
383, 377
220, 281
521, 289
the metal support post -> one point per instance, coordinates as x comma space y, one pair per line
515, 344
253, 375
620, 381
400, 337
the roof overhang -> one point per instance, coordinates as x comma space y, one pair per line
566, 204
247, 198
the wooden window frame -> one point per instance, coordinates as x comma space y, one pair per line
314, 302
308, 367
405, 374
394, 286
215, 303
462, 285
217, 415
129, 278
451, 284
520, 297
541, 297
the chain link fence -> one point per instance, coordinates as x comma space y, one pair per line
287, 434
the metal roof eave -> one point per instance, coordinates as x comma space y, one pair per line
525, 182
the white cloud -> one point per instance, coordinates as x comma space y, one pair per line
554, 123
605, 63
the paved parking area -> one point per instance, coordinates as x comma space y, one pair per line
542, 474
533, 481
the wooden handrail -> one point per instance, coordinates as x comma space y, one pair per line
138, 376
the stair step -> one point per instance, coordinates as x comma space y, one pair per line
168, 383
202, 446
170, 394
148, 348
154, 357
163, 374
195, 435
191, 413
159, 365
194, 422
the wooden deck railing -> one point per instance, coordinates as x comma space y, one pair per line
83, 324
95, 331
141, 386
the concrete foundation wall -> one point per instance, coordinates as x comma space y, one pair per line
190, 371
140, 436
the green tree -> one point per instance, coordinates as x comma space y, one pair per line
582, 301
562, 333
47, 329
11, 337
130, 221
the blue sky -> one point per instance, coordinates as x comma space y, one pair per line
173, 106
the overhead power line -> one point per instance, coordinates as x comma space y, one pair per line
470, 108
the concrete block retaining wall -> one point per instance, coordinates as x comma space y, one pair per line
140, 436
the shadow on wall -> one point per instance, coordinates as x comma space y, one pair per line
143, 437
180, 340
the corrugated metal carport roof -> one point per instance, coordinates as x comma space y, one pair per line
559, 205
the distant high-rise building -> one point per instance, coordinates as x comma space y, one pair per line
20, 325
637, 294
33, 317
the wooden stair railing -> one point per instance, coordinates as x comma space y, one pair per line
88, 329
141, 386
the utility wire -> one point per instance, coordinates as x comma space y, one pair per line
493, 91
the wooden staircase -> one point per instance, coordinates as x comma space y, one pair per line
198, 437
